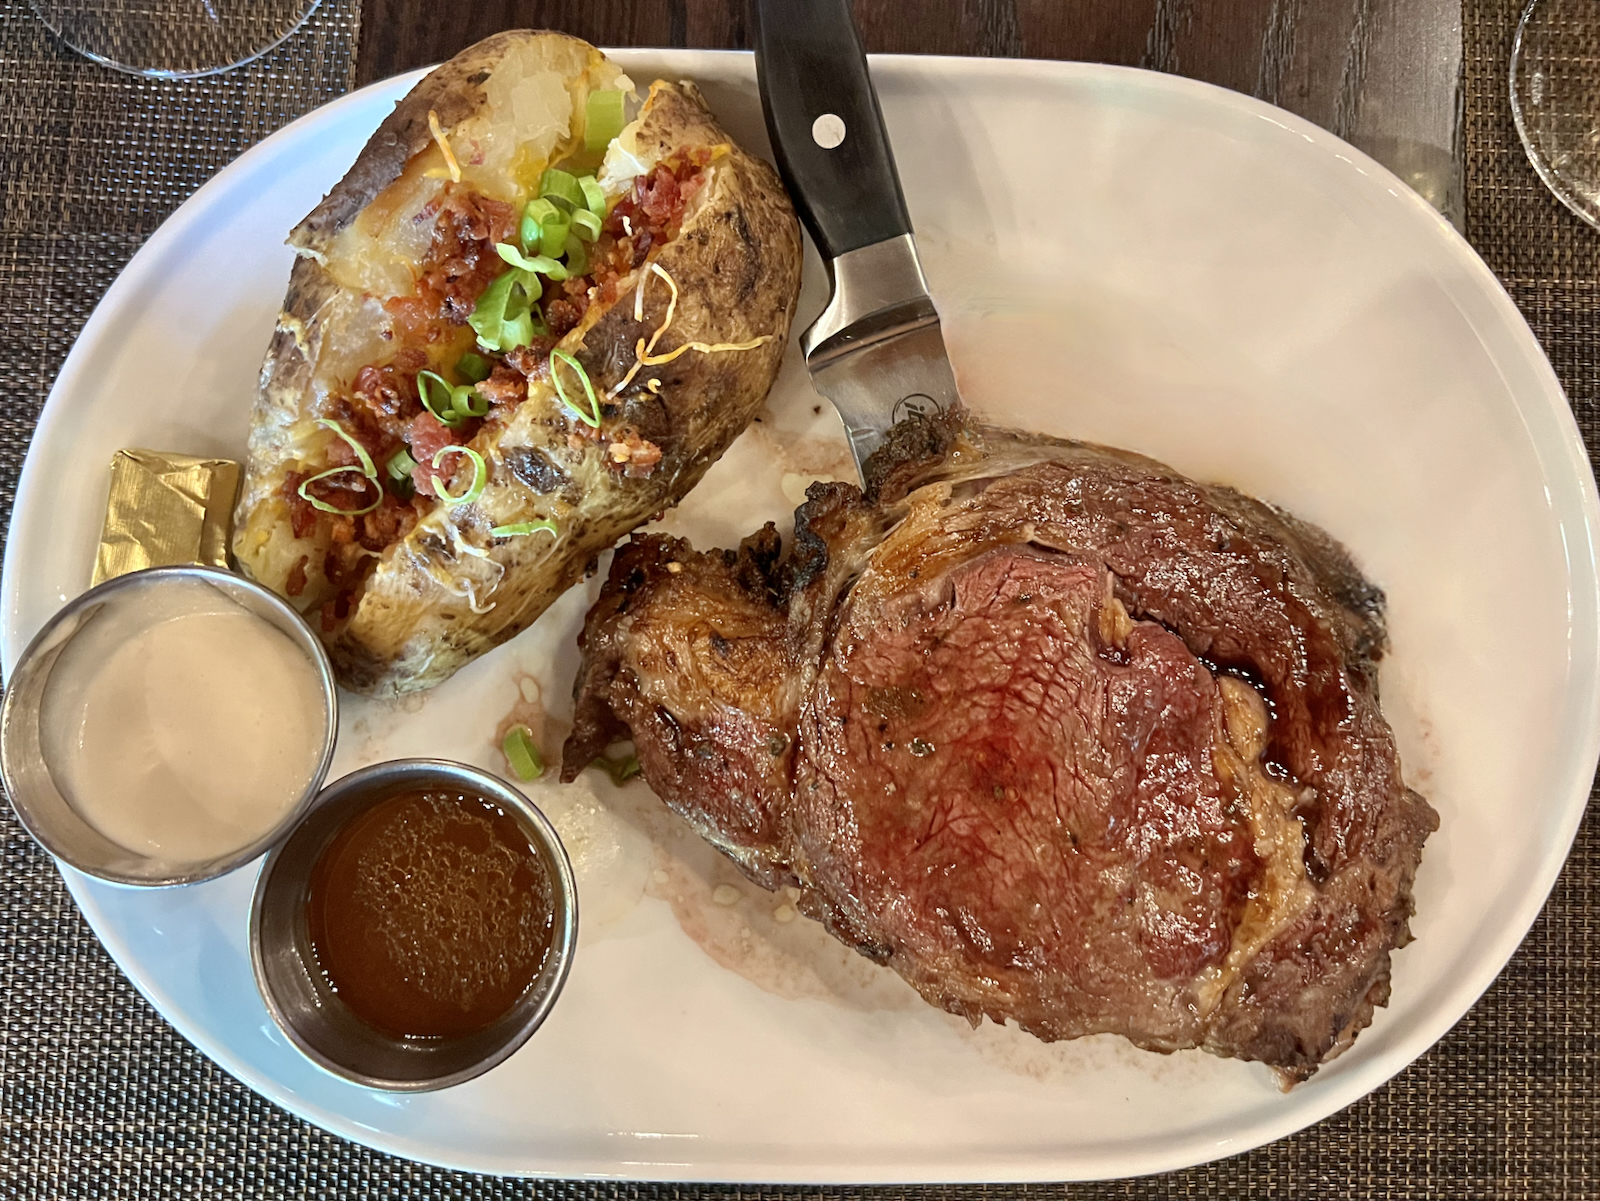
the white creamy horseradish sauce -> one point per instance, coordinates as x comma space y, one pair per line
179, 724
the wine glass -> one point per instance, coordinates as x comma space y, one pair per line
1555, 98
173, 38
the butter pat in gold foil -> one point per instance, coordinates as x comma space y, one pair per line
165, 509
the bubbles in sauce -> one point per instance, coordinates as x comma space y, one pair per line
430, 914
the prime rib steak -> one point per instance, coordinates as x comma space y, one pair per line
1056, 733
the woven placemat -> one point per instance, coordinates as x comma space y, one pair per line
100, 1098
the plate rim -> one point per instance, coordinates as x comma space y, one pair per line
1566, 454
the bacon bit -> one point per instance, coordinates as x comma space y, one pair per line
428, 437
576, 441
460, 263
335, 611
660, 200
388, 523
410, 359
344, 564
295, 583
533, 360
562, 315
635, 453
565, 303
506, 388
375, 414
349, 490
302, 513
382, 403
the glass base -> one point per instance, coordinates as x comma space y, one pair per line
173, 39
1555, 98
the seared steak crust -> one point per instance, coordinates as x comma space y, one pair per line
1059, 735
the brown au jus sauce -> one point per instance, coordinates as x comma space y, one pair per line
430, 914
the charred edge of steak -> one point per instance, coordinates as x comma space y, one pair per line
821, 524
757, 565
645, 565
595, 723
908, 452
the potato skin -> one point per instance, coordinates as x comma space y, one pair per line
450, 591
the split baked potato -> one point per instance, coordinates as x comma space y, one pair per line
509, 339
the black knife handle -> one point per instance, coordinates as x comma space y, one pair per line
809, 64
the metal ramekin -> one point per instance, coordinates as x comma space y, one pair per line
299, 998
48, 816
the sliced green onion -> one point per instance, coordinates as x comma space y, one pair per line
604, 117
534, 215
480, 476
367, 469
490, 311
435, 395
474, 368
620, 770
594, 196
577, 256
541, 209
553, 237
522, 754
562, 185
543, 264
400, 464
591, 418
325, 506
585, 224
520, 528
516, 331
506, 316
467, 401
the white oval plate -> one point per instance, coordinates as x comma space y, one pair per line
1126, 257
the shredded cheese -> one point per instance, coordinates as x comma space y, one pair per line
640, 350
444, 145
650, 360
459, 583
644, 354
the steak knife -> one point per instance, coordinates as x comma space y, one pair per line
877, 351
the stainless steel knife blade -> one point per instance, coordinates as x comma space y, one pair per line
877, 351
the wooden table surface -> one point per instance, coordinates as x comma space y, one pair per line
1383, 74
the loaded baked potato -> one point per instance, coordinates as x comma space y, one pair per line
514, 331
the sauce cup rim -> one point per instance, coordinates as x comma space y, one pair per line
38, 825
450, 773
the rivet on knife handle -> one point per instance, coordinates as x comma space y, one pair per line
827, 130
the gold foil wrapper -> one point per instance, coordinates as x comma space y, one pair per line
165, 509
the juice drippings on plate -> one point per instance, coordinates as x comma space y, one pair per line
430, 914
